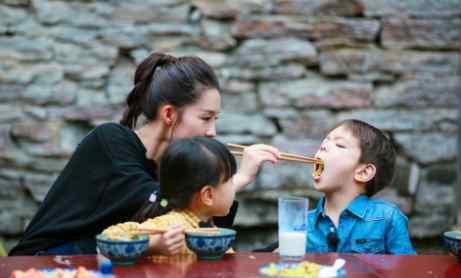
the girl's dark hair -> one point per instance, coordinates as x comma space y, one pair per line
165, 79
376, 148
186, 166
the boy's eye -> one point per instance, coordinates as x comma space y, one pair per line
340, 146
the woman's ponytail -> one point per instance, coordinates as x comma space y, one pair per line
144, 75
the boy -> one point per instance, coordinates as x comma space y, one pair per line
358, 161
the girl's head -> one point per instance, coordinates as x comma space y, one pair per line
181, 92
197, 170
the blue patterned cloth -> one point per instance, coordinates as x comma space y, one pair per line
365, 226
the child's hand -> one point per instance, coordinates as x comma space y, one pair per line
252, 159
169, 243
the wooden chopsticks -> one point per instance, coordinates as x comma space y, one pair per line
237, 149
154, 231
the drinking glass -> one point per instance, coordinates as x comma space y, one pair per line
292, 227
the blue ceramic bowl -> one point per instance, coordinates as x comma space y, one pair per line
210, 247
122, 252
452, 240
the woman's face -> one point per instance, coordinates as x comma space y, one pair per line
199, 118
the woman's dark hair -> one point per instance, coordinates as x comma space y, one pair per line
186, 166
165, 79
376, 148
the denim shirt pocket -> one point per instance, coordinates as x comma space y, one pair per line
368, 245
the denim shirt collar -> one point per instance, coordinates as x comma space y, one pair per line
357, 207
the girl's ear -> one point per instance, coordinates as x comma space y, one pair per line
168, 114
365, 172
206, 195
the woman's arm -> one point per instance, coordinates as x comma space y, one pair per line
252, 159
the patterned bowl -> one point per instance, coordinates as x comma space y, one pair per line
210, 246
122, 252
452, 240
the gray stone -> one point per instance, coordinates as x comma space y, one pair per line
25, 49
17, 2
235, 87
419, 8
400, 32
318, 7
242, 139
74, 13
38, 185
374, 61
316, 93
400, 120
146, 14
314, 28
84, 113
429, 225
236, 123
71, 134
391, 195
420, 92
429, 147
308, 124
62, 93
256, 212
9, 113
214, 59
11, 16
89, 63
10, 184
16, 213
25, 74
46, 150
433, 206
90, 97
9, 92
50, 165
284, 72
120, 82
169, 29
217, 9
33, 131
441, 173
259, 52
216, 35
243, 102
122, 36
36, 113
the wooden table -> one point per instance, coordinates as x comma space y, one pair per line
246, 264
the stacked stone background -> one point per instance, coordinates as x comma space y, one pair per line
289, 71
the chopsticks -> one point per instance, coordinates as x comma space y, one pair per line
237, 149
154, 231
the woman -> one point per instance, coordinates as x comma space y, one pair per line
113, 170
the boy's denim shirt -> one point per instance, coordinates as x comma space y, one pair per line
365, 226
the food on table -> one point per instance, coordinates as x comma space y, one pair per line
302, 269
80, 272
122, 231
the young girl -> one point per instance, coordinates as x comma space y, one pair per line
195, 185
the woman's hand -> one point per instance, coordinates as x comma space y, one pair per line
252, 159
169, 243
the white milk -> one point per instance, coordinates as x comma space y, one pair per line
292, 244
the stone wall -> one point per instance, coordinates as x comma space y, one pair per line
289, 71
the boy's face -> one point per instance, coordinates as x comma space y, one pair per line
340, 152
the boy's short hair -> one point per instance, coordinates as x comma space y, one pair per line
376, 148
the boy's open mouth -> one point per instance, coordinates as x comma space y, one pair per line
318, 168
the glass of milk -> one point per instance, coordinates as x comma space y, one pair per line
292, 221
